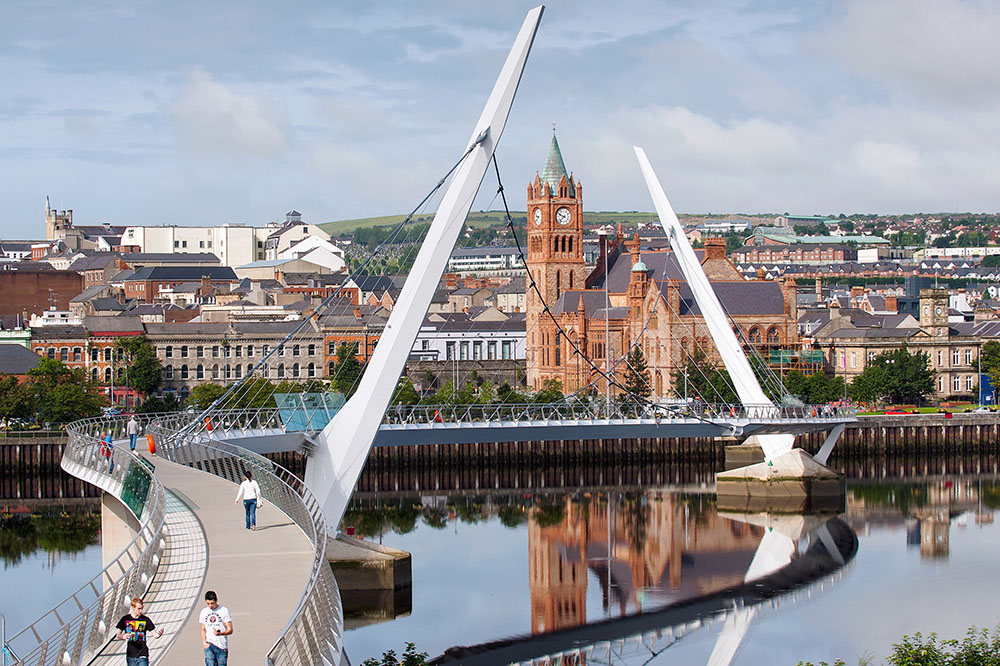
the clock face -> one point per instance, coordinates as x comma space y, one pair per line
538, 216
938, 310
563, 216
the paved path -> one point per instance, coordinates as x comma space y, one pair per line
259, 575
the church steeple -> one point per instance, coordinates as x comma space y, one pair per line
555, 170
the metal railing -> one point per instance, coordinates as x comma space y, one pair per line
78, 628
314, 633
255, 421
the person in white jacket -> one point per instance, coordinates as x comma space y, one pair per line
250, 492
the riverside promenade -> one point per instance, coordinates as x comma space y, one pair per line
258, 575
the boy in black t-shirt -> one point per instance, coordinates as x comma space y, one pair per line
134, 628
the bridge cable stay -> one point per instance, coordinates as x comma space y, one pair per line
547, 310
608, 375
240, 391
765, 374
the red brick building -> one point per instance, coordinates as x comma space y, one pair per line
34, 291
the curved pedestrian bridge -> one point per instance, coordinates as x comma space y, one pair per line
187, 536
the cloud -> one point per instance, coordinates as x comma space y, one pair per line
941, 48
212, 119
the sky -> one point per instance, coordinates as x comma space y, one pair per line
190, 113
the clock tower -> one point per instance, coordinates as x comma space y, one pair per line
555, 255
555, 231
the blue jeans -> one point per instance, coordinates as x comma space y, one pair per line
216, 656
136, 661
131, 441
251, 507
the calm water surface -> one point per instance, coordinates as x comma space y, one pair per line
47, 552
488, 566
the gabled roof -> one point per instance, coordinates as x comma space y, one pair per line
91, 293
17, 360
119, 324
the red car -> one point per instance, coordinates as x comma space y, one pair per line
896, 412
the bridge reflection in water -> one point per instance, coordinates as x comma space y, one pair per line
605, 565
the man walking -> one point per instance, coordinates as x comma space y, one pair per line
133, 431
216, 625
135, 628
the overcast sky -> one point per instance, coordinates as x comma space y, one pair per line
187, 112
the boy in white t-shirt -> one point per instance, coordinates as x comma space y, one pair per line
216, 625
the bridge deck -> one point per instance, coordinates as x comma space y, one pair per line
258, 575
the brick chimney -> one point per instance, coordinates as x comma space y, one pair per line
715, 248
892, 304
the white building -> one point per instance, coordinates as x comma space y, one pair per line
233, 244
486, 334
316, 250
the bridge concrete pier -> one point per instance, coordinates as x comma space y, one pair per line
793, 482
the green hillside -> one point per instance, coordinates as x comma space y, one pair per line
486, 219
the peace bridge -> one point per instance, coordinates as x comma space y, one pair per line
172, 518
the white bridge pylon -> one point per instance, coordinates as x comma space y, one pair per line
343, 446
744, 380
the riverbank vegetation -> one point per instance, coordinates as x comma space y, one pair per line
979, 648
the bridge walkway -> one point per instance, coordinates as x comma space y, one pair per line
258, 575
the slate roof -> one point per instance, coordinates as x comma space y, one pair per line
93, 262
59, 332
180, 258
517, 285
119, 324
16, 360
737, 298
90, 293
184, 273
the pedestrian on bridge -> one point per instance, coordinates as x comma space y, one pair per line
134, 628
133, 431
216, 626
250, 492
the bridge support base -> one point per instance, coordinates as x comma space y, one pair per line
791, 483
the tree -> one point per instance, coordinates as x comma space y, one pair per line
203, 395
60, 394
551, 392
703, 380
637, 383
144, 371
16, 400
897, 376
347, 370
405, 393
989, 360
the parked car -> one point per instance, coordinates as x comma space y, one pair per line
897, 412
982, 409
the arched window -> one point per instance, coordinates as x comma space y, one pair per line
107, 354
168, 372
215, 371
249, 368
331, 368
93, 375
107, 374
558, 285
311, 370
555, 244
199, 372
773, 338
184, 372
754, 336
239, 370
229, 371
281, 370
570, 243
295, 370
570, 285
